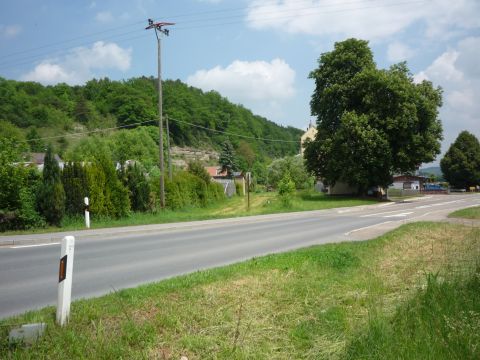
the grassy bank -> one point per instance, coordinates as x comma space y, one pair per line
469, 213
332, 301
261, 203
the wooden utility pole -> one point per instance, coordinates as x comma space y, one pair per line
158, 27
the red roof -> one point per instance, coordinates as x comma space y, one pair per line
215, 171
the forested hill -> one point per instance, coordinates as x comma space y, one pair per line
35, 110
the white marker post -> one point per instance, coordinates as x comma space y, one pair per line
87, 213
65, 280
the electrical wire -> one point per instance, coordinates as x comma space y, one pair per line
214, 22
153, 121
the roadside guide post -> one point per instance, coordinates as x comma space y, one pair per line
65, 280
87, 213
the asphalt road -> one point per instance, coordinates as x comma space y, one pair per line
119, 258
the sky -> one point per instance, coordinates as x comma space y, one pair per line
257, 53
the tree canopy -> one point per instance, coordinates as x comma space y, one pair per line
371, 122
31, 110
461, 163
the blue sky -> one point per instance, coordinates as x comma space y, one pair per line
255, 52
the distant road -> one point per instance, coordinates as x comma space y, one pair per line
117, 258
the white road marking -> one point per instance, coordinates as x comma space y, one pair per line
30, 246
381, 213
386, 204
367, 227
399, 215
439, 204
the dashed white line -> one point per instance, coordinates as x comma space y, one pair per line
399, 215
381, 213
367, 227
34, 245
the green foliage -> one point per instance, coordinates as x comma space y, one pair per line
286, 190
371, 123
293, 166
246, 156
103, 103
108, 196
51, 195
239, 188
74, 179
440, 322
197, 168
36, 144
461, 163
18, 186
189, 190
138, 187
227, 159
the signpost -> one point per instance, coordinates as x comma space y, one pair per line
65, 280
87, 213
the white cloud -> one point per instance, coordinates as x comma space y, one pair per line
10, 31
259, 85
456, 71
373, 20
78, 66
398, 51
104, 17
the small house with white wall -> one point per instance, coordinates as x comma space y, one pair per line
408, 182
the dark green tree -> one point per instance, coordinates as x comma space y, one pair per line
138, 187
246, 156
371, 123
74, 179
461, 163
35, 141
227, 158
51, 195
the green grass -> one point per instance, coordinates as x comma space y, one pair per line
469, 213
262, 203
441, 322
314, 303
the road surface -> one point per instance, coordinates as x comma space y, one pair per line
117, 258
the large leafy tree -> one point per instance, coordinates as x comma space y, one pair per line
371, 123
461, 163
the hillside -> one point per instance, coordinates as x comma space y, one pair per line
30, 110
435, 170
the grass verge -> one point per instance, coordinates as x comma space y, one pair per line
262, 203
469, 213
313, 303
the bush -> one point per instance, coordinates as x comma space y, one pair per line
239, 188
286, 189
187, 189
138, 187
196, 168
74, 179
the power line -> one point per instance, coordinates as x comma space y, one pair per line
214, 23
232, 134
91, 131
154, 121
266, 19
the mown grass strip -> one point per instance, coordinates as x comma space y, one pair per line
469, 213
312, 303
261, 203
